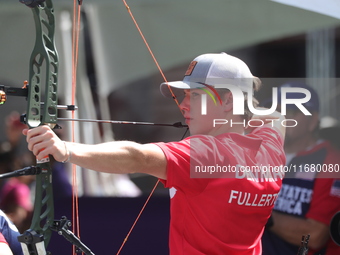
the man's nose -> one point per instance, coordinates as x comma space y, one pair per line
184, 105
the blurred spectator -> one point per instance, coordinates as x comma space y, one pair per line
9, 148
330, 130
4, 247
9, 244
16, 201
307, 201
15, 194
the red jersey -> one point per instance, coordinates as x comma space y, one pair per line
226, 214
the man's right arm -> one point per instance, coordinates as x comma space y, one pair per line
112, 157
120, 157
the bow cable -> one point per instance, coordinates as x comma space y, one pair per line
75, 49
151, 53
173, 97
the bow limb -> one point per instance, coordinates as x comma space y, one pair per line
42, 79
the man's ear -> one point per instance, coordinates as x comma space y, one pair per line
227, 101
314, 121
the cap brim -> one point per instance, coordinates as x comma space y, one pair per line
177, 87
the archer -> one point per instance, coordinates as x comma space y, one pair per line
206, 217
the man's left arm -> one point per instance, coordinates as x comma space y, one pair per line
291, 229
273, 120
322, 207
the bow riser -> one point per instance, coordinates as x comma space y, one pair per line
44, 55
42, 76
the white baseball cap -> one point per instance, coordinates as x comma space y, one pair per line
212, 69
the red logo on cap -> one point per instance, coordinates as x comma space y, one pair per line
191, 68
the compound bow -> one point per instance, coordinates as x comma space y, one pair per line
42, 96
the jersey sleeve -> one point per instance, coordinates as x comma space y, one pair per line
326, 193
324, 204
178, 158
181, 156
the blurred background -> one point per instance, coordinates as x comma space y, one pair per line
118, 80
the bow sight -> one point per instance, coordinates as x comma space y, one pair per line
10, 91
23, 92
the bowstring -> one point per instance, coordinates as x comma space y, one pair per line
137, 218
75, 50
151, 53
173, 97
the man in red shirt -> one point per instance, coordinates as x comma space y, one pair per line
223, 183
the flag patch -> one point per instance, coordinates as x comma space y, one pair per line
335, 189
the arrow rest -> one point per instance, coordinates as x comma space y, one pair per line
23, 119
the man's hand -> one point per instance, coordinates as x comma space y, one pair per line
42, 141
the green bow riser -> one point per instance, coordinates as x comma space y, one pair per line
43, 84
